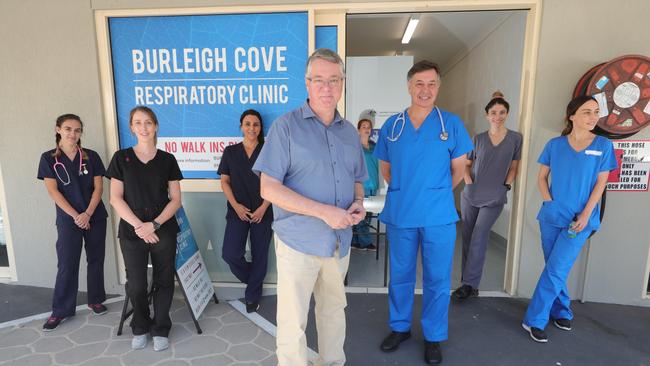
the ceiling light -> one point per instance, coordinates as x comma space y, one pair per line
410, 28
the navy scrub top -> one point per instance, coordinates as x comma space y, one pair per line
145, 187
245, 184
80, 189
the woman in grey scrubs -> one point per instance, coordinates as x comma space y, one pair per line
492, 167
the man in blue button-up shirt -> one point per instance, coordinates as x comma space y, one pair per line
312, 170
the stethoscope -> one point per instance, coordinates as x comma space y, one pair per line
401, 119
82, 167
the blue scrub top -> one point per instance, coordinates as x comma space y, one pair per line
80, 190
371, 184
420, 191
573, 177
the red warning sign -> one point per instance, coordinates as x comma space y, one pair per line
633, 158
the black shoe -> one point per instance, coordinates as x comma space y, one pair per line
432, 352
538, 335
562, 323
252, 307
371, 248
356, 247
392, 341
464, 292
52, 323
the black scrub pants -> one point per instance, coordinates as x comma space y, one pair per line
163, 259
234, 248
71, 239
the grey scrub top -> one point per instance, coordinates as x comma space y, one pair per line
490, 168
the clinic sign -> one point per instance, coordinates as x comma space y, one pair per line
633, 157
190, 268
200, 72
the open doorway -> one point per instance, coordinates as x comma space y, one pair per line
478, 52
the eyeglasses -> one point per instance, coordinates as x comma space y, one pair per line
321, 83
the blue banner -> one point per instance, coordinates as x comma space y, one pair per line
327, 37
199, 73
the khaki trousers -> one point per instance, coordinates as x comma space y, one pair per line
300, 275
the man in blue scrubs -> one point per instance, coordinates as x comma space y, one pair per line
422, 157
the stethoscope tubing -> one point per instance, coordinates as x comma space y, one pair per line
401, 118
82, 167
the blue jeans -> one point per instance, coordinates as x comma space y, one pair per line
362, 236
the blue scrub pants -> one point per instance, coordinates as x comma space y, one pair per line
234, 248
71, 239
551, 298
437, 253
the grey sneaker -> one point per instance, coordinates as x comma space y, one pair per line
160, 343
139, 341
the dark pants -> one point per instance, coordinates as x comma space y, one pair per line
136, 258
477, 224
69, 243
234, 248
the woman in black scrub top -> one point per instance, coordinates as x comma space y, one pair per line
247, 211
73, 178
145, 192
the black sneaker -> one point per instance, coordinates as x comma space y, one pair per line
356, 247
432, 352
392, 341
252, 307
538, 335
371, 248
52, 323
98, 309
464, 292
562, 323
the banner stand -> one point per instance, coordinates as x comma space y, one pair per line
189, 307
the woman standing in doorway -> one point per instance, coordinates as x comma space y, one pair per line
491, 170
578, 162
248, 214
361, 239
73, 178
145, 192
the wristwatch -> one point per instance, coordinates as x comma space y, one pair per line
156, 225
508, 186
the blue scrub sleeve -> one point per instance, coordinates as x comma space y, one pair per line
98, 166
545, 156
463, 141
608, 162
381, 148
45, 168
275, 155
224, 165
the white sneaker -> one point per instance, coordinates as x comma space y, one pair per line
139, 341
160, 343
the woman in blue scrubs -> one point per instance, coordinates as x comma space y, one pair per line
422, 153
73, 178
578, 162
492, 167
146, 193
247, 212
361, 239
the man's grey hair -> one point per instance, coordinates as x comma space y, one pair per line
327, 55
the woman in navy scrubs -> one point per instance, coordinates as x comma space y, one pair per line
145, 192
247, 212
579, 163
73, 178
